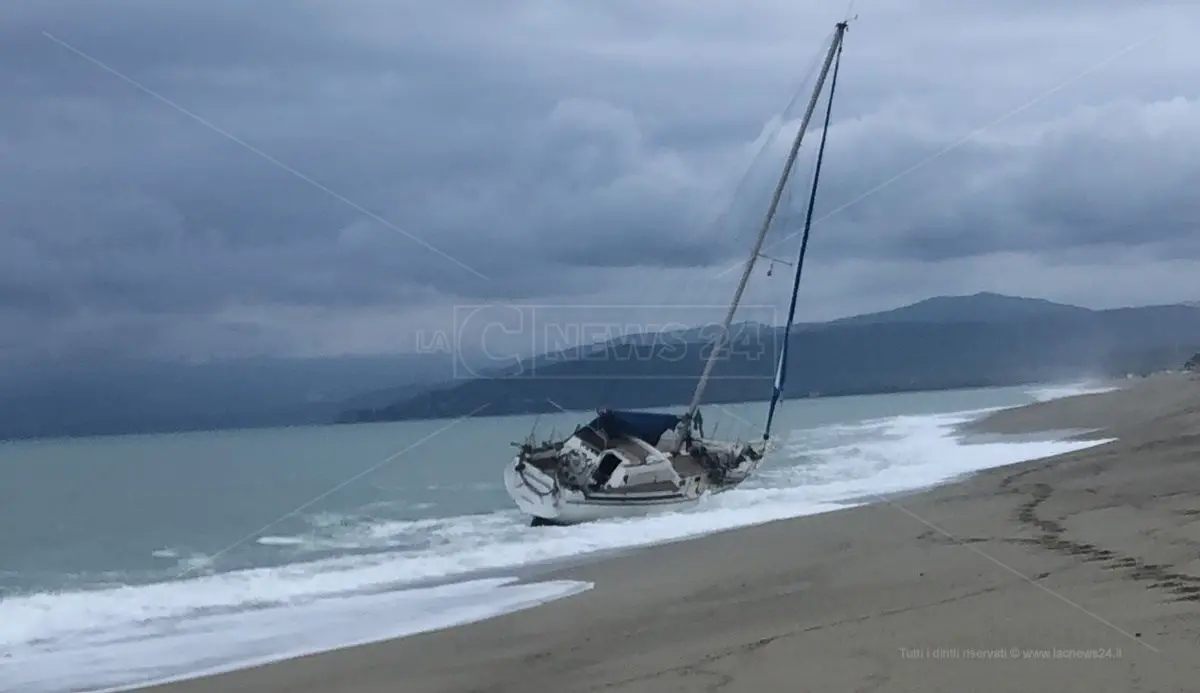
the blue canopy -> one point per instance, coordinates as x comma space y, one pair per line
639, 424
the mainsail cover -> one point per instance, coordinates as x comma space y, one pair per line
781, 367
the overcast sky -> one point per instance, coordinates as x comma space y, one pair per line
333, 176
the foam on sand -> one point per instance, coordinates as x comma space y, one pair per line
1085, 387
103, 659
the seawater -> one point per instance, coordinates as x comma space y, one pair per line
137, 559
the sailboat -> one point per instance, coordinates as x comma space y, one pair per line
632, 463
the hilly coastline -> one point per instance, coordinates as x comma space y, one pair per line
941, 343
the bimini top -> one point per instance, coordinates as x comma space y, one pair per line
638, 424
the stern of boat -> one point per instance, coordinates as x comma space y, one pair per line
534, 491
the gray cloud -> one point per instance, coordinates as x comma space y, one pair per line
570, 154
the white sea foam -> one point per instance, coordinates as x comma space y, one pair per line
127, 634
138, 654
1086, 387
270, 540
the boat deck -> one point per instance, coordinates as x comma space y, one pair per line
545, 464
599, 444
686, 465
631, 448
592, 439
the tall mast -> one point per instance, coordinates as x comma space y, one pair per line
781, 367
766, 225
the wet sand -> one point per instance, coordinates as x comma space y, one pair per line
1075, 573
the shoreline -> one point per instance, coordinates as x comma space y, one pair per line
265, 639
1081, 552
555, 568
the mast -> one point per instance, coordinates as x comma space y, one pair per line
834, 45
781, 367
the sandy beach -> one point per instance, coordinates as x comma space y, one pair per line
1074, 573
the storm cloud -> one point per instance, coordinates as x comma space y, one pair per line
314, 177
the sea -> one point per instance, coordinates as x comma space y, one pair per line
131, 560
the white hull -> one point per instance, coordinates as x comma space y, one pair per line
587, 478
570, 507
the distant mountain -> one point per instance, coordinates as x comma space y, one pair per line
946, 342
984, 339
985, 307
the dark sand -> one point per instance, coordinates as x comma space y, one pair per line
1076, 573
